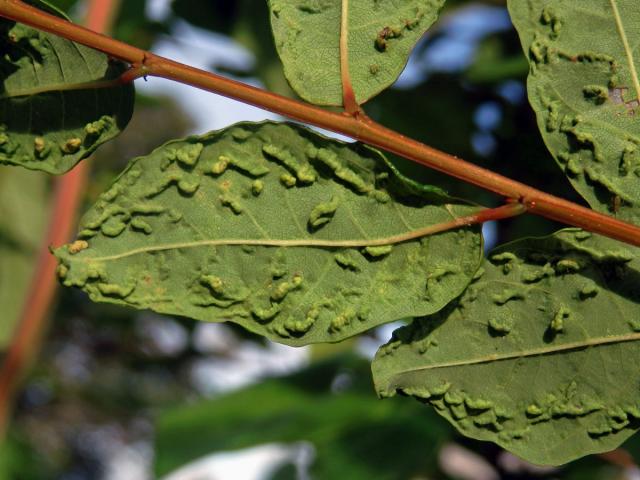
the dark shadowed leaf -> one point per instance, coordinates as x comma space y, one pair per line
540, 353
51, 115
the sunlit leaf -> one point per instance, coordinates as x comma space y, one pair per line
539, 355
584, 87
51, 114
380, 37
291, 234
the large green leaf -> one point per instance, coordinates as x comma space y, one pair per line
354, 435
249, 224
51, 117
20, 460
540, 354
380, 37
584, 87
23, 214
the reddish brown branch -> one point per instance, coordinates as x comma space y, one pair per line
32, 324
619, 457
359, 128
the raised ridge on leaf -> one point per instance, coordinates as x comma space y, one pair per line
291, 234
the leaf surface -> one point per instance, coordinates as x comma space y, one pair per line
539, 355
381, 36
583, 84
23, 216
51, 115
274, 227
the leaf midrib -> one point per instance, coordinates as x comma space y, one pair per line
268, 242
536, 352
627, 47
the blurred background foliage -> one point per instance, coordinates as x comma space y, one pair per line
121, 394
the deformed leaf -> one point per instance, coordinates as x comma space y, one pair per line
584, 86
381, 36
539, 355
20, 235
56, 104
277, 228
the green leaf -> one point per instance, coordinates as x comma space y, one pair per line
303, 407
132, 25
52, 112
23, 215
380, 37
277, 228
583, 85
19, 458
539, 355
493, 63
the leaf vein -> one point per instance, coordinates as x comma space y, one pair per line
536, 352
627, 47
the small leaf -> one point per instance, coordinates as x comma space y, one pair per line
23, 197
584, 86
539, 355
277, 228
51, 116
380, 38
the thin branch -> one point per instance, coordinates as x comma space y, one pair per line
362, 129
32, 324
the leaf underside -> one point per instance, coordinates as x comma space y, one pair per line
583, 85
540, 354
202, 227
381, 36
49, 118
